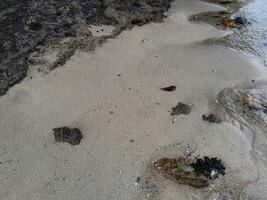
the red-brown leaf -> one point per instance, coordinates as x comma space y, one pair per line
169, 89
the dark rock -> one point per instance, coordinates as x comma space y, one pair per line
34, 25
241, 21
209, 167
212, 118
225, 2
181, 108
71, 136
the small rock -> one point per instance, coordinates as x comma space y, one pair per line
212, 118
144, 40
34, 25
225, 2
132, 141
71, 136
241, 21
181, 108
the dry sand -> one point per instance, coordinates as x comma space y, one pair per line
86, 91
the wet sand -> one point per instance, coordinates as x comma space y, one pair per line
113, 96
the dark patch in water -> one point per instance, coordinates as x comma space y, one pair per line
212, 118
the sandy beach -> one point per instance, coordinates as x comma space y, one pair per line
113, 96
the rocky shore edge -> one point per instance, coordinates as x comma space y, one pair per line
30, 29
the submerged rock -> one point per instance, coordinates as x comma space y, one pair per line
212, 118
246, 108
71, 136
197, 173
247, 105
241, 21
225, 2
178, 170
181, 108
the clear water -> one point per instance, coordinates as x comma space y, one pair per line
252, 38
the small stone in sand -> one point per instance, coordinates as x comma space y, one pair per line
65, 134
181, 108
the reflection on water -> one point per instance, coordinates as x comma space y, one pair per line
255, 34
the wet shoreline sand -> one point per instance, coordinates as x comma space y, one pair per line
113, 96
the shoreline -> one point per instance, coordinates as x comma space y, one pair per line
112, 95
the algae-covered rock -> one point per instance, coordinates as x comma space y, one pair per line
212, 118
228, 23
197, 173
179, 170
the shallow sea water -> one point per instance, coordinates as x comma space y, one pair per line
251, 38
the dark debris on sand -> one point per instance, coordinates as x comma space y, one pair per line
169, 88
209, 167
71, 136
181, 108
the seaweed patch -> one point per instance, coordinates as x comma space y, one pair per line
197, 173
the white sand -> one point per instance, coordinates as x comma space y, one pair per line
83, 92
